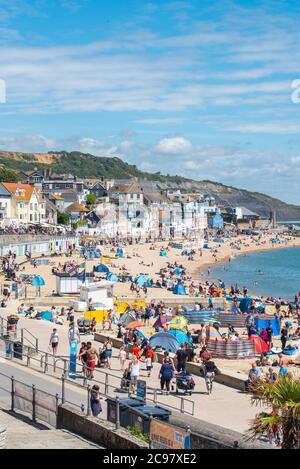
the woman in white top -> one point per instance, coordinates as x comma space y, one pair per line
54, 339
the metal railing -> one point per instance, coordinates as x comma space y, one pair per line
12, 331
48, 363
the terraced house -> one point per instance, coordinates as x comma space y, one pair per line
27, 204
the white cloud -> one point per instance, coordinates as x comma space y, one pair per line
174, 146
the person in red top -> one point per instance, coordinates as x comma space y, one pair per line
136, 351
150, 354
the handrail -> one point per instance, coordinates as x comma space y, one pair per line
152, 396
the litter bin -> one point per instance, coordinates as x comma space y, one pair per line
12, 322
126, 405
140, 416
18, 350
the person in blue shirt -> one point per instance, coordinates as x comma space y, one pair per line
166, 374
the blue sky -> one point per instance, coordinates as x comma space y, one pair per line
198, 88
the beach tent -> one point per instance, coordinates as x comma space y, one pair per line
102, 268
140, 280
179, 289
44, 315
163, 253
120, 252
38, 281
112, 277
212, 333
177, 271
164, 340
260, 345
181, 336
126, 318
245, 304
265, 321
178, 322
163, 319
149, 283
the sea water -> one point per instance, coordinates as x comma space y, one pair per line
271, 273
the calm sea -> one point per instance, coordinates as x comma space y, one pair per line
275, 273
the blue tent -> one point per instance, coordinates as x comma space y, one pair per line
44, 315
102, 268
245, 304
112, 277
274, 322
140, 280
179, 289
120, 252
163, 253
177, 271
149, 283
164, 340
181, 336
38, 281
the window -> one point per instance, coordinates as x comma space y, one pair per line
31, 217
31, 207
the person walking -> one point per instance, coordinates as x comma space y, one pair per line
181, 356
166, 374
54, 339
108, 345
122, 358
96, 407
92, 357
135, 372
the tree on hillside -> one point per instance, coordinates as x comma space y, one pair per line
283, 397
91, 199
63, 218
8, 175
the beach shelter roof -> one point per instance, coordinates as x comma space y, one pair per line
165, 340
102, 268
181, 336
134, 325
178, 322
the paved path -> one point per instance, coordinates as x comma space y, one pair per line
22, 434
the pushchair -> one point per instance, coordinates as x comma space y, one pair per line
126, 380
102, 362
84, 326
185, 382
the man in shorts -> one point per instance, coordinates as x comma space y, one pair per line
92, 358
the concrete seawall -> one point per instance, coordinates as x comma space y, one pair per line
99, 431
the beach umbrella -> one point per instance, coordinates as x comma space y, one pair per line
38, 281
134, 324
178, 322
161, 321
